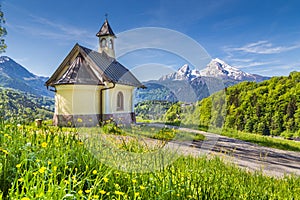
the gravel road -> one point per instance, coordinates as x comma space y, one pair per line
247, 155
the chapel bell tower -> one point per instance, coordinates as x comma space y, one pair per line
106, 39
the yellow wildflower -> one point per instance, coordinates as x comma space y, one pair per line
96, 197
94, 171
133, 181
40, 195
49, 162
5, 151
105, 179
142, 187
87, 191
54, 168
80, 192
44, 144
21, 179
18, 165
119, 193
136, 194
25, 198
8, 136
102, 192
42, 169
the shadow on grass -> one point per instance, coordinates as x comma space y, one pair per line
273, 144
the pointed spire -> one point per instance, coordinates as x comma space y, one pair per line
105, 29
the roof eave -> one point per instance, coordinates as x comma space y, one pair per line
74, 51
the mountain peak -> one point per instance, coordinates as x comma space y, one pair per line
218, 60
183, 73
220, 69
217, 68
15, 76
184, 70
4, 59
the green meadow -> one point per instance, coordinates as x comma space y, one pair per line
54, 163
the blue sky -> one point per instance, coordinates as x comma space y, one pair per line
261, 37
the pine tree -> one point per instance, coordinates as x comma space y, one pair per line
2, 32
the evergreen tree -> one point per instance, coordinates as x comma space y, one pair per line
2, 32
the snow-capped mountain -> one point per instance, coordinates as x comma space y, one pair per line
189, 85
183, 73
15, 76
217, 68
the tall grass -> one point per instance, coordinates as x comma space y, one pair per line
52, 163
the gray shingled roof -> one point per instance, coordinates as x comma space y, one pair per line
92, 67
114, 70
79, 72
105, 30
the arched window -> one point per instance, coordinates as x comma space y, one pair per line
103, 43
110, 44
120, 101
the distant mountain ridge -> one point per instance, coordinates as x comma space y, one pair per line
190, 85
220, 69
15, 76
183, 73
217, 68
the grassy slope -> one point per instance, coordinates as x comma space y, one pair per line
50, 164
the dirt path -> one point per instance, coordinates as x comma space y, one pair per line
247, 155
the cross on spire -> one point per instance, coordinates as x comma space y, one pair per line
106, 15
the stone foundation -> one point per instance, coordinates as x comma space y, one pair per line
120, 118
92, 120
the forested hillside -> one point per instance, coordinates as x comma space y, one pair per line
24, 107
152, 109
271, 107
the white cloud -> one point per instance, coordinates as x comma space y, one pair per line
61, 29
261, 47
243, 60
248, 62
256, 64
48, 29
277, 70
